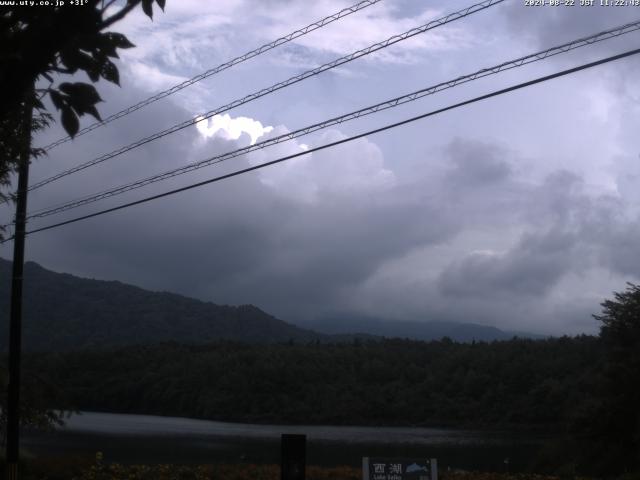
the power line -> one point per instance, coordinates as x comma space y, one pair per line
534, 57
224, 66
339, 142
266, 91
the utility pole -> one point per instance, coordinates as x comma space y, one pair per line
15, 325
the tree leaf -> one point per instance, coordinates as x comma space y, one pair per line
57, 99
70, 121
66, 88
107, 47
93, 111
81, 93
74, 59
110, 72
94, 74
82, 97
147, 7
118, 40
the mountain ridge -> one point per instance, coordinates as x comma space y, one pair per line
57, 307
66, 312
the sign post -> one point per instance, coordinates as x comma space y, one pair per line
375, 468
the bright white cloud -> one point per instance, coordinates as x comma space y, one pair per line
350, 169
232, 128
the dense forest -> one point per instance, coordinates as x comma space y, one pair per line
583, 390
393, 382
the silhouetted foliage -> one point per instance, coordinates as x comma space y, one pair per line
37, 45
608, 427
37, 394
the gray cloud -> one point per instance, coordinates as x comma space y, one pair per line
244, 241
531, 268
526, 221
475, 163
239, 241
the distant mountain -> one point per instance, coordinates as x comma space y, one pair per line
64, 312
430, 330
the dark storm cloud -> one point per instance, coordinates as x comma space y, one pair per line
177, 244
477, 183
604, 225
246, 241
243, 241
238, 241
531, 268
568, 233
331, 248
476, 164
242, 244
621, 252
566, 246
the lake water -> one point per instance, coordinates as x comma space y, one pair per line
153, 439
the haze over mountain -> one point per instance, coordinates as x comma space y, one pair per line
63, 312
428, 330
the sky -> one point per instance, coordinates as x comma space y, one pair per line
519, 212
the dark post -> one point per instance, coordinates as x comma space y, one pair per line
294, 457
15, 326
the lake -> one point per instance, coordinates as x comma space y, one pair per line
153, 439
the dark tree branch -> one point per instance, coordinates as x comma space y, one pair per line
61, 70
105, 7
120, 15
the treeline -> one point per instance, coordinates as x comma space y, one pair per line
532, 383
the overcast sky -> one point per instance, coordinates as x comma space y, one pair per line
519, 212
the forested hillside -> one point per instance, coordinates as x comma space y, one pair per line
394, 382
64, 312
